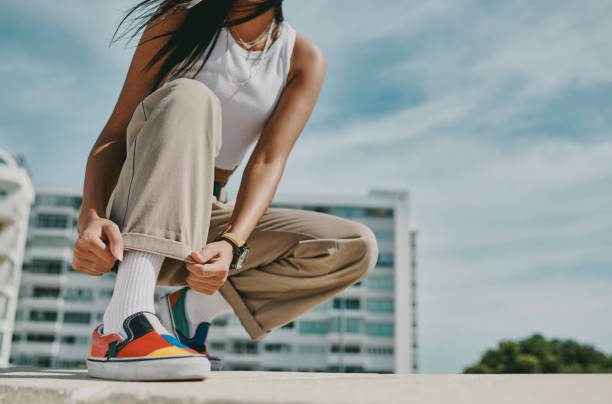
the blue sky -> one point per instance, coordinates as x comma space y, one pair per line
495, 115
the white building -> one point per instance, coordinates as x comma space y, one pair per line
369, 327
16, 197
58, 307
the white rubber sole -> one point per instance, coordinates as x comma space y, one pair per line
150, 368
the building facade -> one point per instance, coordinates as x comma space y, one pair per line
58, 306
370, 327
16, 197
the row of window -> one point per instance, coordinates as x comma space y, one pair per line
343, 211
76, 294
251, 347
54, 221
350, 325
71, 317
65, 339
372, 304
58, 200
46, 361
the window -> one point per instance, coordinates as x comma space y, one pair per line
288, 326
380, 283
48, 241
346, 369
244, 347
380, 350
379, 329
40, 338
380, 212
84, 295
277, 347
52, 221
77, 318
359, 212
58, 200
385, 260
384, 235
313, 327
380, 305
351, 325
217, 346
38, 361
220, 321
39, 266
353, 349
312, 349
349, 304
42, 315
75, 339
71, 364
105, 293
42, 292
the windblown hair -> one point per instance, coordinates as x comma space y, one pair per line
201, 26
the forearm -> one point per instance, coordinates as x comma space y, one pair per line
102, 172
257, 188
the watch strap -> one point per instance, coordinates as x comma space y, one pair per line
237, 241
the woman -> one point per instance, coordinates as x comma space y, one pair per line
155, 188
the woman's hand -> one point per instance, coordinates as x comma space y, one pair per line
92, 253
212, 267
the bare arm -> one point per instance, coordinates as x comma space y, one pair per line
267, 162
108, 154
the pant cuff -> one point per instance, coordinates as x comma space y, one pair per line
157, 245
252, 327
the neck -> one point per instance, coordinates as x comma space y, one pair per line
250, 30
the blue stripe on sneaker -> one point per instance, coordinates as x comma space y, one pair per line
174, 341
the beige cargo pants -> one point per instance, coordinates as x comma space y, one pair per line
163, 203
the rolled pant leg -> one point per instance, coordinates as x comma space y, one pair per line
162, 200
297, 260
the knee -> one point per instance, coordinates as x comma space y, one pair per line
192, 95
361, 249
188, 109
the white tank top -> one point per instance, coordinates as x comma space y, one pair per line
245, 108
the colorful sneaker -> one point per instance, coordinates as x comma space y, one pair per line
149, 353
173, 317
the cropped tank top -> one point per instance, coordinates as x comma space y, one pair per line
246, 108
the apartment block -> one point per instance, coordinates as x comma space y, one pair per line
16, 197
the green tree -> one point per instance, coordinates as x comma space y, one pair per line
538, 355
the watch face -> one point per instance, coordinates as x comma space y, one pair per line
243, 254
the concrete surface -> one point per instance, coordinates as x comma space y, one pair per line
49, 386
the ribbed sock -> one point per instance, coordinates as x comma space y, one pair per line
200, 307
134, 289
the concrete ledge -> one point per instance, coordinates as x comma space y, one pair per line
50, 386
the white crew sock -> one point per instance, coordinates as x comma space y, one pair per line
134, 289
200, 307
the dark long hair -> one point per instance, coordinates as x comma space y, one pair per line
201, 26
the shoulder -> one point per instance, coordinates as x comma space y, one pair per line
306, 58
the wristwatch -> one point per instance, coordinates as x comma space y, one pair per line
241, 249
